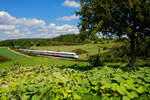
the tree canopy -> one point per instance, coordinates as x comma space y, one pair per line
128, 18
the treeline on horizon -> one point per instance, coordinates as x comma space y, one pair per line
78, 39
118, 51
69, 39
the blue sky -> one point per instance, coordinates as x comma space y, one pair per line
37, 18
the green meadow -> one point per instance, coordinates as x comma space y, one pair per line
90, 48
22, 60
42, 78
4, 51
109, 41
50, 78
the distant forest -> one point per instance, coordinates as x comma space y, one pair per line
69, 39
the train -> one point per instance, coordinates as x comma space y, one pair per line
52, 53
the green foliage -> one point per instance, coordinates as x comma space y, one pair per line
104, 48
29, 53
115, 47
69, 39
56, 83
79, 51
116, 18
144, 49
117, 53
95, 61
23, 43
19, 60
122, 52
109, 16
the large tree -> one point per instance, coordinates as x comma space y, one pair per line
128, 18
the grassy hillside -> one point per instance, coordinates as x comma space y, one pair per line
43, 78
90, 48
108, 48
6, 52
20, 60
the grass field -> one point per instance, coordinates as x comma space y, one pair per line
5, 52
90, 48
20, 60
74, 83
43, 78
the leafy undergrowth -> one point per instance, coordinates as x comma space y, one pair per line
56, 83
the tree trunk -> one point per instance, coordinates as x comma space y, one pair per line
132, 51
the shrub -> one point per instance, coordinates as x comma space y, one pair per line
104, 48
143, 49
95, 61
102, 43
79, 51
115, 47
86, 41
123, 39
54, 43
29, 53
4, 59
107, 41
38, 45
95, 42
67, 43
115, 56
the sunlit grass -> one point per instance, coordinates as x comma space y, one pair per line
20, 60
5, 52
90, 48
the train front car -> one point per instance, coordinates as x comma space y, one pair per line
63, 54
76, 56
71, 55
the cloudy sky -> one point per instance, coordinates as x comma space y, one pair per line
37, 18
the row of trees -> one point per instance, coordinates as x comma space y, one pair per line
129, 18
69, 39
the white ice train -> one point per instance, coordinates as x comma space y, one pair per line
52, 53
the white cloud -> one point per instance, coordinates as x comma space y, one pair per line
52, 25
66, 29
26, 31
30, 28
34, 23
16, 35
7, 27
71, 4
5, 18
12, 32
44, 35
68, 18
